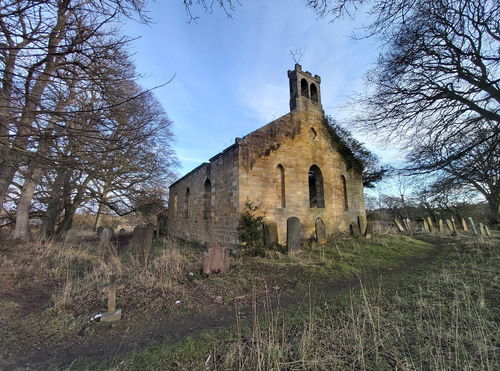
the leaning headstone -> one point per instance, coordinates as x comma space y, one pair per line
369, 231
399, 225
320, 231
471, 222
270, 234
408, 225
215, 260
441, 226
487, 230
122, 241
426, 226
480, 228
430, 224
142, 241
293, 233
449, 225
464, 225
455, 230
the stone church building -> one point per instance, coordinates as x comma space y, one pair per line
292, 166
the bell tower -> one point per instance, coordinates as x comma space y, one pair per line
304, 90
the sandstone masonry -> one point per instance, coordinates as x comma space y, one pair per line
292, 166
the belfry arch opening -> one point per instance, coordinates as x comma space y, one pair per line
316, 193
314, 93
304, 88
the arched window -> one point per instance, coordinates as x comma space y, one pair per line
344, 192
304, 88
176, 205
207, 199
314, 93
316, 195
186, 204
281, 185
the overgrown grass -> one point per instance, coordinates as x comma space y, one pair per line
443, 317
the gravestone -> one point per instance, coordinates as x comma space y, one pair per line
270, 234
112, 314
464, 225
320, 231
430, 224
369, 231
449, 225
480, 227
408, 225
441, 226
426, 226
293, 233
105, 235
142, 241
215, 260
70, 236
122, 241
471, 222
455, 230
487, 231
353, 228
399, 225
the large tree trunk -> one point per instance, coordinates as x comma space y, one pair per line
6, 176
55, 203
21, 229
494, 206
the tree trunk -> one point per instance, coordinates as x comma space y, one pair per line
54, 206
7, 173
494, 206
21, 229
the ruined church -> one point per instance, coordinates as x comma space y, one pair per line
293, 167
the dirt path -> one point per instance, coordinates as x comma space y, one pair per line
110, 343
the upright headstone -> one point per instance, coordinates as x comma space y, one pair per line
464, 225
369, 231
409, 225
122, 241
354, 229
105, 235
293, 233
399, 225
471, 222
320, 231
441, 226
426, 226
112, 314
449, 225
270, 234
430, 224
455, 230
215, 260
142, 241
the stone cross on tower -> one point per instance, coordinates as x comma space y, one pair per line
304, 90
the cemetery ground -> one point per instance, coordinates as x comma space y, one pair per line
394, 301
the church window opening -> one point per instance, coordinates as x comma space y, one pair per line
304, 88
186, 204
344, 192
207, 199
316, 194
314, 93
281, 185
176, 205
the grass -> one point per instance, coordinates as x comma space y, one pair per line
443, 317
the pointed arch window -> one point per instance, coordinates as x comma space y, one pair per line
316, 194
176, 205
207, 199
281, 185
304, 88
314, 93
344, 192
186, 204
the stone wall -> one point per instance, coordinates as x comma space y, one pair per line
296, 142
212, 208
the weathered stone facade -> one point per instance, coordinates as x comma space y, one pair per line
292, 166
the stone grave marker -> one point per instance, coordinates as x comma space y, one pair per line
441, 226
369, 231
464, 225
320, 231
449, 225
471, 222
455, 230
487, 230
480, 227
354, 229
105, 235
399, 225
408, 225
215, 260
430, 224
293, 233
112, 314
426, 226
142, 241
122, 241
270, 234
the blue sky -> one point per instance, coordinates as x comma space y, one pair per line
230, 74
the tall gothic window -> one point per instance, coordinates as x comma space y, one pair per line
207, 199
314, 93
344, 192
186, 204
176, 205
316, 194
304, 88
281, 185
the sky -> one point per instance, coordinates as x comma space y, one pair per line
229, 76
